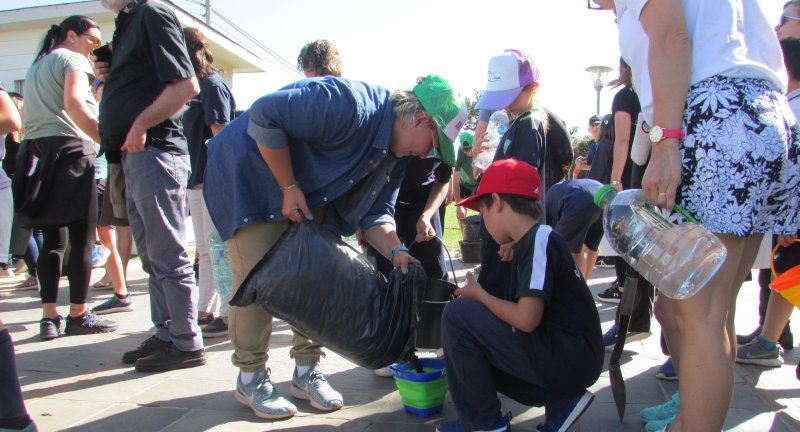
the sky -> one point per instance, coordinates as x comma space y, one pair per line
392, 43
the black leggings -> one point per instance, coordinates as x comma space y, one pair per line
79, 264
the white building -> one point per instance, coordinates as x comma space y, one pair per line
22, 31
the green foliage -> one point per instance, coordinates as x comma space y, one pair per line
472, 113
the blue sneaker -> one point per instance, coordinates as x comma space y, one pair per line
502, 425
115, 304
666, 410
667, 371
564, 419
99, 256
610, 337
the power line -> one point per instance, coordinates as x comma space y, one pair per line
271, 56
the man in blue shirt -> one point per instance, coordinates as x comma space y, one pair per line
329, 149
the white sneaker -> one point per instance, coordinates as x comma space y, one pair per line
313, 386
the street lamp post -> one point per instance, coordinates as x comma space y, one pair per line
598, 74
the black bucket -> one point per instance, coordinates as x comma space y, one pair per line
429, 320
472, 226
470, 251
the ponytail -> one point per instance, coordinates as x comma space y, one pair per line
57, 33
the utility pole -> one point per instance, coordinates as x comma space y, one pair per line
208, 13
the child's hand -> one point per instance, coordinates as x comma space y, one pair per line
506, 251
472, 289
785, 240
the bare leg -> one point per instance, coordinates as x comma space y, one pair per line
114, 263
124, 246
591, 258
700, 334
779, 310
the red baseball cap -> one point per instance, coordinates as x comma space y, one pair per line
508, 176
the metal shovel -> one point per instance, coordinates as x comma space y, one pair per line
614, 370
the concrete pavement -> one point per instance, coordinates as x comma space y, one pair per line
80, 384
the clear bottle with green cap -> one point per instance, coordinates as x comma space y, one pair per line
678, 260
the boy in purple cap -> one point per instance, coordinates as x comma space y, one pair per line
541, 344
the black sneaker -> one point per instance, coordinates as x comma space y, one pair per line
610, 295
217, 328
171, 359
51, 328
786, 340
149, 347
206, 320
89, 323
604, 262
745, 339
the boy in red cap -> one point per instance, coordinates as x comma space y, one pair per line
542, 345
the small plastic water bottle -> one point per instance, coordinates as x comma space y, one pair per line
678, 259
498, 123
223, 278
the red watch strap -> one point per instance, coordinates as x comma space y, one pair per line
674, 133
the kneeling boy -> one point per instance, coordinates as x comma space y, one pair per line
542, 346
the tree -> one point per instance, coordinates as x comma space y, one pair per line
472, 113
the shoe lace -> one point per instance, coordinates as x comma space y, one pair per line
90, 320
317, 379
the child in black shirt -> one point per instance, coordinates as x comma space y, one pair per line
541, 345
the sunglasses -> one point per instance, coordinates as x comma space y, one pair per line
95, 41
784, 17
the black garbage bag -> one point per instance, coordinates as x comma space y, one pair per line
331, 293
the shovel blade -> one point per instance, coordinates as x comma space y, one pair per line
617, 388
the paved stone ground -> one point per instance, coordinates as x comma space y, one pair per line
80, 383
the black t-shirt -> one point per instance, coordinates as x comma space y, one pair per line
524, 141
603, 160
213, 105
570, 327
626, 101
418, 181
149, 53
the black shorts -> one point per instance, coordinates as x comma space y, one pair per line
465, 191
580, 221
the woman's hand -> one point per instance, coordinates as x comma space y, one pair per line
294, 203
401, 260
663, 174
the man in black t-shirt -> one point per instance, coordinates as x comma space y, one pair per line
149, 80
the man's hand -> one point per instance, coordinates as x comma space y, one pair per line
101, 70
294, 203
506, 251
425, 230
472, 289
134, 141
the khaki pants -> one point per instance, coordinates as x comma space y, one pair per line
251, 327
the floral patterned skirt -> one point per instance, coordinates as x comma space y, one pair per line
741, 158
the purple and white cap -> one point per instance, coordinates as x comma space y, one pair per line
508, 74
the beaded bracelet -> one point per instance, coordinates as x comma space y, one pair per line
400, 248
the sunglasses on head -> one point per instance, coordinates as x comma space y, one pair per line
784, 17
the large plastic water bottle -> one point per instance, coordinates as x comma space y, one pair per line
223, 278
498, 123
678, 259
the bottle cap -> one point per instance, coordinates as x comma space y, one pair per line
601, 193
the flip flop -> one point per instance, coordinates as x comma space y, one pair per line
102, 285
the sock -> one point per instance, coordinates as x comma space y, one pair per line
122, 296
301, 370
246, 377
767, 345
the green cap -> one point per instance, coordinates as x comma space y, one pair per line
466, 138
447, 111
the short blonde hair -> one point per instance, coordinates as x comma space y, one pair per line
407, 105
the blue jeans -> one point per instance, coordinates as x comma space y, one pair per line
155, 184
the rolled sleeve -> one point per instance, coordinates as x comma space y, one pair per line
269, 138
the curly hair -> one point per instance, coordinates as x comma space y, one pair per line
319, 58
